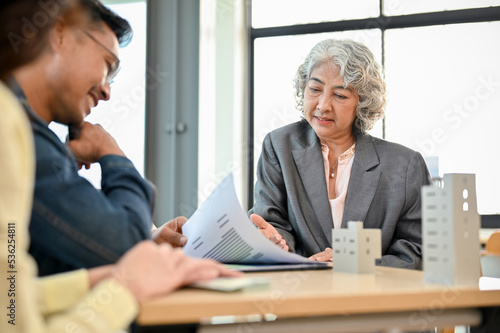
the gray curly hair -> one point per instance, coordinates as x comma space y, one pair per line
358, 68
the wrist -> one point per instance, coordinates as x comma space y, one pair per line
98, 274
111, 151
127, 282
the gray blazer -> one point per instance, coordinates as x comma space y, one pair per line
384, 192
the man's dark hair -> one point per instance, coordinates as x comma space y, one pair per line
22, 38
98, 12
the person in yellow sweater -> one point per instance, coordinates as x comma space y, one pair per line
102, 299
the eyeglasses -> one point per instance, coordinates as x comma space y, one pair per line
115, 67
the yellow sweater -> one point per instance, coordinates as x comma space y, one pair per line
58, 303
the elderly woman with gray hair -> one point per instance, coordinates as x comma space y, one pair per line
325, 170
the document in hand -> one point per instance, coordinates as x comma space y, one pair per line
221, 230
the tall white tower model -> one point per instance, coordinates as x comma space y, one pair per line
450, 231
355, 249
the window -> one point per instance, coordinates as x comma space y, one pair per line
123, 116
441, 67
405, 7
266, 13
446, 84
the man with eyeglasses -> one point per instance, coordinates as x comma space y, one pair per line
73, 225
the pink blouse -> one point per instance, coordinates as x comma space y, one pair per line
342, 177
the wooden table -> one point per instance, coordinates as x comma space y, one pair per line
325, 301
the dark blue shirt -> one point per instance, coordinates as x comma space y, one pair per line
73, 224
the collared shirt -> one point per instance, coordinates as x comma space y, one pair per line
341, 180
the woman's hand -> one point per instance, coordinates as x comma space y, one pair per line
326, 255
149, 270
269, 231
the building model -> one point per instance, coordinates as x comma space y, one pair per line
450, 231
355, 249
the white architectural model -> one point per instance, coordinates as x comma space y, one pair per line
355, 249
450, 231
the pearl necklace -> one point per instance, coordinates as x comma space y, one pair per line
332, 174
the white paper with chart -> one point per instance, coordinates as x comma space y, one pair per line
221, 230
